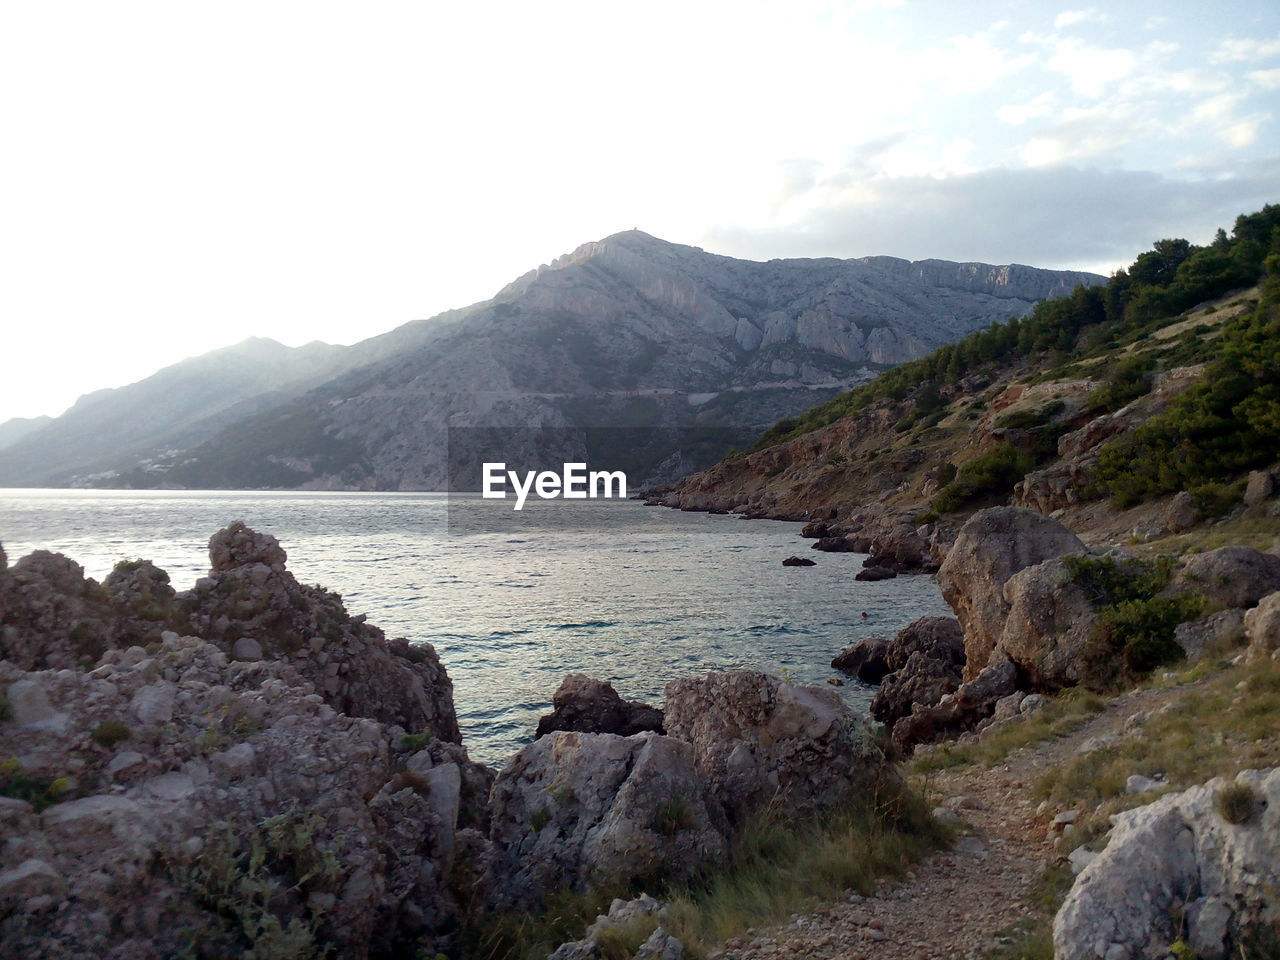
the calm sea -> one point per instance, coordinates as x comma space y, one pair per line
631, 594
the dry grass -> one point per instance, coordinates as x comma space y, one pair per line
779, 867
1061, 716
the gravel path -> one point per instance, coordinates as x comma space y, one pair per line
958, 903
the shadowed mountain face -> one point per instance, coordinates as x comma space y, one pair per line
630, 331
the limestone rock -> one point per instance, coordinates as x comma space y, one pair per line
239, 546
938, 638
1260, 486
1049, 622
1180, 514
797, 562
250, 594
971, 703
1262, 626
922, 680
867, 659
217, 753
992, 546
755, 738
1234, 576
595, 808
593, 706
1196, 636
1178, 851
54, 617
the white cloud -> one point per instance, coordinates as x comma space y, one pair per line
1069, 18
1266, 79
1016, 114
1089, 69
1235, 50
1242, 133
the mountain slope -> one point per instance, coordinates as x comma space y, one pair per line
179, 406
629, 331
13, 430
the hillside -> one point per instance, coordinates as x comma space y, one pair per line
630, 331
1133, 409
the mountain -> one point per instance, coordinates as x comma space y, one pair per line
178, 407
630, 331
13, 430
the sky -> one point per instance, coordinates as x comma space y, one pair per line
176, 177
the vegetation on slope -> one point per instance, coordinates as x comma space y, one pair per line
1225, 425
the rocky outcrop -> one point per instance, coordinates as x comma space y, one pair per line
991, 547
794, 561
938, 638
51, 615
579, 809
176, 795
1197, 637
250, 605
1050, 620
1055, 487
1175, 869
1262, 627
756, 738
1260, 486
958, 712
1235, 576
868, 660
922, 680
624, 914
585, 705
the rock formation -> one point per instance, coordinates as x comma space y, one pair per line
584, 705
1177, 868
990, 548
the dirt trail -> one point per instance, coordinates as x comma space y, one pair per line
957, 903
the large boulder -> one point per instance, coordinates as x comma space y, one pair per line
958, 712
1235, 576
991, 547
756, 738
142, 601
1197, 637
250, 594
868, 659
580, 809
1262, 626
1176, 869
1050, 620
593, 706
922, 680
192, 798
938, 638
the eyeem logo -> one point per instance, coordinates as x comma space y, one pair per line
573, 483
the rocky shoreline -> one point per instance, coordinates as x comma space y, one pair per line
245, 767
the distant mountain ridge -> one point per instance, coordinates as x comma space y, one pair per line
627, 331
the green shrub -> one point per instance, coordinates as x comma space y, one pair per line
1236, 803
988, 474
261, 887
674, 816
1135, 628
110, 732
539, 818
1026, 419
413, 742
1214, 499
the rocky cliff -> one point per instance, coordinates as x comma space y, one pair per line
629, 331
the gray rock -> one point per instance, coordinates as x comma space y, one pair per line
660, 946
1262, 626
1234, 576
1196, 636
1050, 620
1176, 850
867, 659
1137, 783
958, 712
246, 648
990, 548
1032, 702
585, 705
1079, 858
154, 703
1260, 486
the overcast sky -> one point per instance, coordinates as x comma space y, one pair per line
177, 176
